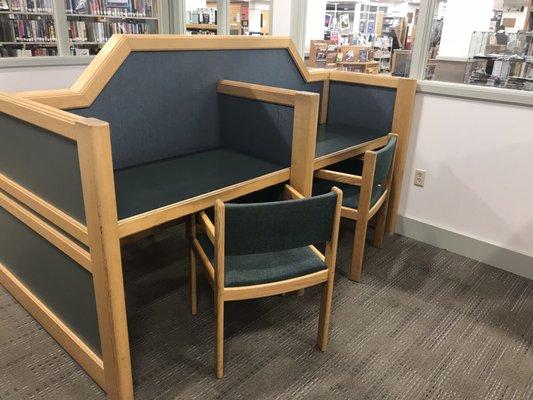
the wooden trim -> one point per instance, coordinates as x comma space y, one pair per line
219, 247
49, 118
401, 125
80, 352
350, 213
292, 193
67, 246
271, 289
209, 268
96, 165
324, 102
48, 211
344, 154
208, 226
365, 79
304, 141
317, 252
340, 177
116, 50
268, 94
375, 208
156, 217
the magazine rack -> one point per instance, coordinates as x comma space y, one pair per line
221, 117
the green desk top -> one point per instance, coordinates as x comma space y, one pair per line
334, 138
154, 185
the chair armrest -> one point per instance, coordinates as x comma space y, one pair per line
208, 226
269, 94
292, 193
340, 177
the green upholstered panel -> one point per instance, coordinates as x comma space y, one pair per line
384, 158
43, 162
260, 129
64, 286
163, 104
281, 225
366, 108
350, 193
157, 184
254, 269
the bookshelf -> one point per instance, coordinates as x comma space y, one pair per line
40, 28
202, 21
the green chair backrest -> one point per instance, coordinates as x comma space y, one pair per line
279, 225
384, 161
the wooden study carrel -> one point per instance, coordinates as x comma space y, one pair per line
156, 128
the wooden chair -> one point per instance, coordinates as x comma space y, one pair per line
265, 249
365, 195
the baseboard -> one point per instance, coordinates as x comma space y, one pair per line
78, 350
488, 253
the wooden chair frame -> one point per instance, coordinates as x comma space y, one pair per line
365, 211
222, 294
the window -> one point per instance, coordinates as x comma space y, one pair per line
483, 43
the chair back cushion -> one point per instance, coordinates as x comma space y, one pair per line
279, 225
384, 161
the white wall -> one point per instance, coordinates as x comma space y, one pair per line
281, 17
316, 15
37, 78
478, 157
461, 19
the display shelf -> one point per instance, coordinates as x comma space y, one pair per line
7, 12
110, 16
208, 27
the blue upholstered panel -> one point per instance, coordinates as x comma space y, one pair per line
64, 286
367, 108
265, 134
42, 162
164, 104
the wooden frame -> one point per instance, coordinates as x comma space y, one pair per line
103, 231
215, 273
365, 210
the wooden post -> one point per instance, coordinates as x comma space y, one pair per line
401, 125
305, 127
96, 165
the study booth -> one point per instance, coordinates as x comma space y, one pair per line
124, 151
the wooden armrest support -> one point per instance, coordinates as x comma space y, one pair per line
208, 226
292, 193
269, 94
340, 177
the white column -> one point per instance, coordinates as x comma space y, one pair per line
298, 24
316, 14
222, 17
281, 17
461, 19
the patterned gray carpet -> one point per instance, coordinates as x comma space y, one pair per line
424, 324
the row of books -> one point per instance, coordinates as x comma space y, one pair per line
31, 30
40, 6
202, 16
34, 52
100, 32
127, 8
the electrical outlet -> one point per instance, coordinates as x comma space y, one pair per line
420, 177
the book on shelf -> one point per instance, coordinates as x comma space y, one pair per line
33, 52
124, 8
30, 6
3, 5
28, 30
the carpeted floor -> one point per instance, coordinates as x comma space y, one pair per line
424, 324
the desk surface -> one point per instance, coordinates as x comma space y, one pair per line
154, 185
331, 139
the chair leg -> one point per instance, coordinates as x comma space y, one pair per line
358, 249
192, 281
325, 315
219, 337
381, 219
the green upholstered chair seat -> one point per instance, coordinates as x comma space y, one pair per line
254, 269
350, 192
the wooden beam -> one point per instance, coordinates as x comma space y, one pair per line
304, 141
67, 246
96, 165
252, 91
45, 209
401, 125
71, 342
208, 226
340, 177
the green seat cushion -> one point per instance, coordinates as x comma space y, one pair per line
350, 193
254, 269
